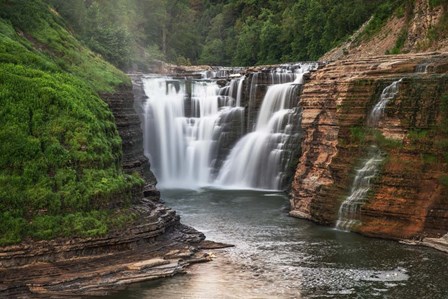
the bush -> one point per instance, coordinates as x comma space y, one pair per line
60, 152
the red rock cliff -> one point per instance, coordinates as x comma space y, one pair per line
409, 198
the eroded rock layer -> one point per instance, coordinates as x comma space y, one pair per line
409, 198
155, 245
158, 246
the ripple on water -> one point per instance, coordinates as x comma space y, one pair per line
277, 256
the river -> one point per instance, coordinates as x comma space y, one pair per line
277, 256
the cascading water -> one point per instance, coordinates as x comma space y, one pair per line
388, 94
351, 207
180, 133
194, 129
255, 161
349, 211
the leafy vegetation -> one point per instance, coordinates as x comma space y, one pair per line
382, 13
358, 134
399, 43
224, 32
60, 151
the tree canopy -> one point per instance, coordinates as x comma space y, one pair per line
129, 33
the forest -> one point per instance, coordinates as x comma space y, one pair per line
132, 33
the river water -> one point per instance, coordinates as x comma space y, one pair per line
277, 256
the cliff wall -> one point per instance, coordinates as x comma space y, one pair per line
154, 245
409, 197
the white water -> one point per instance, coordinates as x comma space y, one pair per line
255, 161
181, 147
349, 211
187, 137
388, 94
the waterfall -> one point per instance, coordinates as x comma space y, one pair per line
194, 128
181, 131
350, 209
422, 68
255, 161
388, 94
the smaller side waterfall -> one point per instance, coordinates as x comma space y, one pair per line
349, 211
423, 68
388, 94
351, 207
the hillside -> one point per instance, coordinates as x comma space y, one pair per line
412, 27
60, 152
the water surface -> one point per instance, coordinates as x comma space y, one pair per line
277, 256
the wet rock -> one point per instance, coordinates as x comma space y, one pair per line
407, 200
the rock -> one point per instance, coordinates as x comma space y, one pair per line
121, 102
207, 244
408, 200
417, 26
147, 264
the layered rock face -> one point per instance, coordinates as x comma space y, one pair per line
158, 246
128, 123
155, 245
409, 199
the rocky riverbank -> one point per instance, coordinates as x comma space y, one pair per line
155, 245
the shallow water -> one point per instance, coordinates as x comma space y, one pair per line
277, 256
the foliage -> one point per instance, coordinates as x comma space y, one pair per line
60, 151
44, 30
223, 32
399, 43
444, 180
358, 134
384, 142
382, 13
434, 3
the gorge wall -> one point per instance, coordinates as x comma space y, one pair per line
409, 198
154, 245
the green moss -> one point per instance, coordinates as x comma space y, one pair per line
42, 28
418, 135
358, 135
434, 3
444, 180
60, 152
386, 143
399, 43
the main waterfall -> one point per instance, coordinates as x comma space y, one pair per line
200, 134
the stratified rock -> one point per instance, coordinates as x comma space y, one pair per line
156, 246
122, 102
408, 200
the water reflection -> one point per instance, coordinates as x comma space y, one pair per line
281, 257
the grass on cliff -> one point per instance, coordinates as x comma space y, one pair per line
60, 152
43, 31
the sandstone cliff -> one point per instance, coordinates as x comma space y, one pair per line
409, 199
